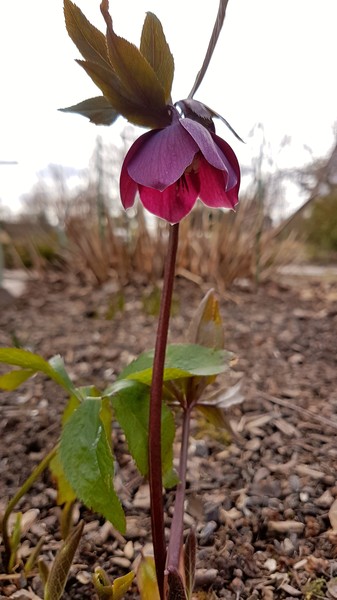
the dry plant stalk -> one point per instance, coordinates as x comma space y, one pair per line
218, 247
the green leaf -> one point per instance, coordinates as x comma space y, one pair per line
115, 591
98, 110
71, 406
33, 557
65, 492
102, 584
117, 386
57, 364
89, 40
43, 571
58, 573
155, 49
15, 541
87, 460
28, 361
12, 380
134, 71
121, 585
182, 360
131, 407
147, 580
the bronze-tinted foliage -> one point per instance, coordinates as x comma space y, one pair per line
176, 586
135, 83
58, 573
190, 551
155, 49
98, 110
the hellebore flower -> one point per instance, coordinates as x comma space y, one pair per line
181, 159
172, 167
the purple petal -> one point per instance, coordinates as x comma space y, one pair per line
233, 166
214, 187
128, 187
163, 157
206, 143
175, 202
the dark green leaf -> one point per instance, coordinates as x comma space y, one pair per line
170, 479
154, 47
182, 360
57, 364
131, 407
98, 110
73, 404
65, 492
87, 460
33, 362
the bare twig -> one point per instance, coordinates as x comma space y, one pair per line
299, 409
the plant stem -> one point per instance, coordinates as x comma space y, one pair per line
211, 46
21, 492
155, 463
177, 525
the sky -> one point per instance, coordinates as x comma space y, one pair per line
274, 64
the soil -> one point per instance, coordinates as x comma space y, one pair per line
262, 501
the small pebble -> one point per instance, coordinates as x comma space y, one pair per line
286, 526
206, 534
270, 564
84, 577
205, 577
121, 562
129, 550
325, 500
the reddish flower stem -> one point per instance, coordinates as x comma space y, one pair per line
155, 464
177, 525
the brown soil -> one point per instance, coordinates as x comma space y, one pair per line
261, 503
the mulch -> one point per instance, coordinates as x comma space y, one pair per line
261, 501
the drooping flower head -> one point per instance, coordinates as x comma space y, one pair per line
172, 167
181, 159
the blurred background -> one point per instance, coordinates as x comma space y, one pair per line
271, 77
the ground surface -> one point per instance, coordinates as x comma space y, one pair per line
261, 504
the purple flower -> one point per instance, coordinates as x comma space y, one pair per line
172, 167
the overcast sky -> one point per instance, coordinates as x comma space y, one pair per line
275, 63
